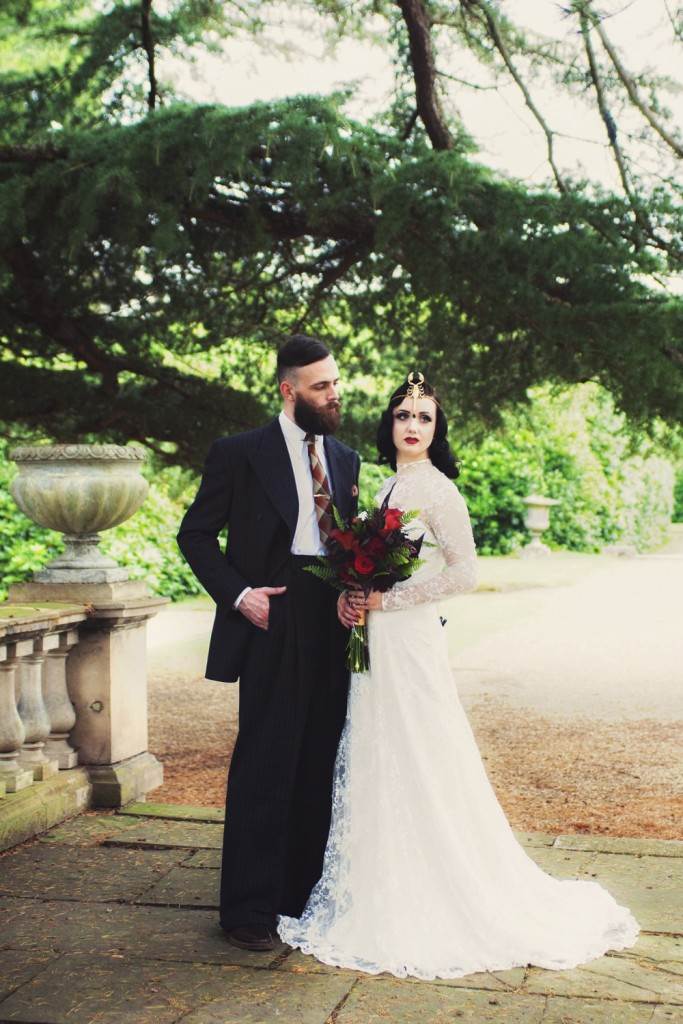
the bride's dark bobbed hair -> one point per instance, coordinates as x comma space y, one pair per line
439, 451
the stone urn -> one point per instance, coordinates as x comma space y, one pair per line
80, 490
537, 520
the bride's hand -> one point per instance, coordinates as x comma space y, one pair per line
373, 602
348, 607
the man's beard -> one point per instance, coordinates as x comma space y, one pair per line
314, 419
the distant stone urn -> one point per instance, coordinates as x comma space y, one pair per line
537, 520
80, 490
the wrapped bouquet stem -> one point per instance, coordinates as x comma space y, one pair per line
357, 650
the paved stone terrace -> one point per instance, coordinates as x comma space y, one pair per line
110, 919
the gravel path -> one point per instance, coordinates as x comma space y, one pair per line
570, 672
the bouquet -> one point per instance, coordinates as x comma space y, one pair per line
372, 552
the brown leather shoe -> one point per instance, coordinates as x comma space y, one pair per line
258, 937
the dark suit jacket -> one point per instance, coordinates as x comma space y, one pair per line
248, 484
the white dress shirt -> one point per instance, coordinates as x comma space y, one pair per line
306, 539
307, 534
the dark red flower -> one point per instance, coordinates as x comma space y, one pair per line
363, 564
375, 547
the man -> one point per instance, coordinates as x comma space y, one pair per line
276, 628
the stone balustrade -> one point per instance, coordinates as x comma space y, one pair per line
73, 677
36, 714
73, 711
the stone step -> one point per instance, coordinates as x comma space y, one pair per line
164, 834
35, 808
176, 812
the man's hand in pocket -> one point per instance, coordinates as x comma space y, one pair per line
255, 605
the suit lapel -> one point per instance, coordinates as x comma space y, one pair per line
273, 467
341, 472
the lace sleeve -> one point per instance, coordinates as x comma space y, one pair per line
448, 519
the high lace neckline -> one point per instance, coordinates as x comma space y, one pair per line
403, 467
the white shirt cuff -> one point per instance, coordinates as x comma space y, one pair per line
240, 596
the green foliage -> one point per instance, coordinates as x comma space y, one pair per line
146, 545
495, 476
678, 496
158, 242
24, 547
151, 259
569, 445
326, 574
372, 477
408, 516
71, 64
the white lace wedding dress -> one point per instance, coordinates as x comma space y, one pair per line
423, 875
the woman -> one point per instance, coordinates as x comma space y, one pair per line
423, 875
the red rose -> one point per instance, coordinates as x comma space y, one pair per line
392, 519
363, 565
375, 547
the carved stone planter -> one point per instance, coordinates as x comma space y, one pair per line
80, 490
537, 520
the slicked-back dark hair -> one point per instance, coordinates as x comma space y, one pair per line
299, 350
439, 450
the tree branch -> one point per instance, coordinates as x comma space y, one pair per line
499, 43
67, 331
283, 221
424, 73
610, 126
673, 354
468, 85
677, 29
410, 124
30, 154
629, 84
348, 255
148, 44
74, 333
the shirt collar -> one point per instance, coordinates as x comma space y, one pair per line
293, 431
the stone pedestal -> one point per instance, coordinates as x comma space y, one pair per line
106, 677
114, 785
80, 593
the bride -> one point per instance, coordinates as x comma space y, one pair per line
423, 875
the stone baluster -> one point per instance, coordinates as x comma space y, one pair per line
59, 707
32, 710
13, 776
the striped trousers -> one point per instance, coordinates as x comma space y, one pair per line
292, 706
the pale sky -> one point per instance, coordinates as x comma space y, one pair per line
507, 134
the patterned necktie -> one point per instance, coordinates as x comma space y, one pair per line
322, 498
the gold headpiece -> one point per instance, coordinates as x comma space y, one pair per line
415, 389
